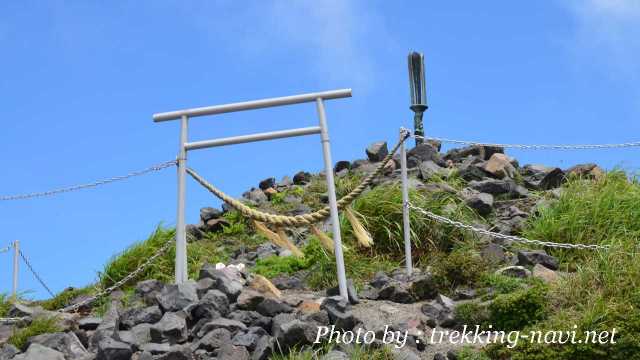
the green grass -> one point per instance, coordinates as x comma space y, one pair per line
38, 326
277, 265
603, 292
5, 304
381, 208
65, 297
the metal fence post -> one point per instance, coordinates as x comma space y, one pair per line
406, 225
16, 254
333, 203
181, 271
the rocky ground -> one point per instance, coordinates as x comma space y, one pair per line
231, 313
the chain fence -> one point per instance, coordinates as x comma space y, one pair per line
535, 146
35, 274
459, 225
150, 169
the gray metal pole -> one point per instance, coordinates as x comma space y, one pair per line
181, 235
16, 255
406, 225
333, 202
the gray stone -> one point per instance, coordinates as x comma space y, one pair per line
8, 351
380, 280
148, 289
231, 352
212, 340
480, 202
396, 292
539, 177
377, 151
250, 338
137, 336
500, 166
39, 352
134, 316
110, 349
424, 152
171, 328
176, 352
212, 305
294, 333
226, 281
352, 293
156, 349
271, 307
264, 348
66, 343
89, 323
251, 319
204, 285
232, 326
249, 299
428, 169
20, 310
256, 196
208, 213
531, 258
493, 253
175, 297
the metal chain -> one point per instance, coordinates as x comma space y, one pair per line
122, 281
156, 167
460, 225
11, 320
24, 258
536, 147
5, 249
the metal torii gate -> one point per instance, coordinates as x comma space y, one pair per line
181, 273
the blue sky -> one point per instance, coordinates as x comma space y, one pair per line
79, 82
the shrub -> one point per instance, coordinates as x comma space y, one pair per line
5, 304
472, 314
38, 326
516, 310
463, 266
469, 353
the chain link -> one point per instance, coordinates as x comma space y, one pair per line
26, 261
153, 168
5, 249
536, 147
122, 281
460, 225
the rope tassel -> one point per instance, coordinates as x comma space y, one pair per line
280, 238
325, 240
361, 234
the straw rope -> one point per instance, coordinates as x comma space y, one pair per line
298, 220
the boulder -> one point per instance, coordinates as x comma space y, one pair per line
39, 352
342, 165
66, 343
228, 281
134, 316
424, 152
377, 151
271, 307
209, 213
212, 340
540, 177
423, 287
480, 202
428, 169
294, 333
232, 326
585, 171
531, 258
301, 178
267, 183
498, 187
232, 352
251, 319
8, 351
545, 274
175, 297
89, 323
263, 285
172, 328
110, 349
500, 166
147, 290
250, 338
264, 348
